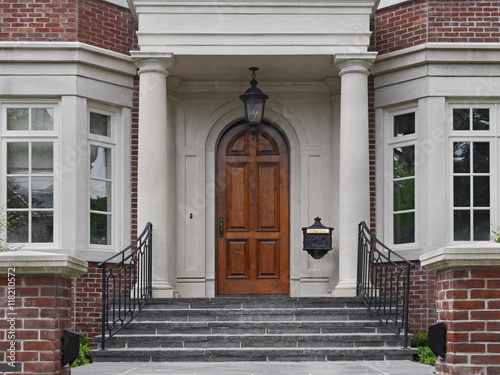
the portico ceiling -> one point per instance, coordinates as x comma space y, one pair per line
305, 68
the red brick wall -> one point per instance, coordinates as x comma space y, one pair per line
88, 21
422, 299
468, 301
87, 303
105, 25
38, 20
42, 313
422, 21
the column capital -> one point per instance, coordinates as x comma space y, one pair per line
153, 62
354, 62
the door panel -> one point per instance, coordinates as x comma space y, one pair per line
238, 196
268, 196
253, 252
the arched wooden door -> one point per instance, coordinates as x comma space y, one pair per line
253, 225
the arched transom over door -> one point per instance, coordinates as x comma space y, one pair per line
253, 224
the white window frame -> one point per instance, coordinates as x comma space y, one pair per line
391, 143
112, 143
13, 136
493, 137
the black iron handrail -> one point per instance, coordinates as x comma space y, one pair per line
126, 284
383, 282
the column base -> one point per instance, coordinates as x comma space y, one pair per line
345, 289
162, 289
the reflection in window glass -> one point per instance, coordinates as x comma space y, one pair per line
481, 119
18, 227
461, 119
461, 227
42, 119
17, 158
100, 229
461, 157
404, 228
404, 124
481, 157
42, 157
404, 161
42, 226
100, 124
18, 118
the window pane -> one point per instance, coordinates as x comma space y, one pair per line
18, 226
481, 225
100, 196
42, 119
404, 161
404, 124
42, 192
42, 157
17, 119
461, 225
42, 226
461, 157
461, 191
100, 162
481, 119
100, 124
100, 229
481, 191
481, 163
404, 195
18, 192
404, 228
461, 119
18, 158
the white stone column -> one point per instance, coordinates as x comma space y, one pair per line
156, 174
354, 182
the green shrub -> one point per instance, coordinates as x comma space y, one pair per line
420, 339
84, 356
495, 235
426, 356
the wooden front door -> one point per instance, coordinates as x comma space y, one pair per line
253, 245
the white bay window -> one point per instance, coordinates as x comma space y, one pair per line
472, 148
101, 177
29, 181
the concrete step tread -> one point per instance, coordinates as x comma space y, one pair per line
261, 323
266, 350
317, 336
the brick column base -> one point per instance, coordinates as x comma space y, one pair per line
35, 308
468, 302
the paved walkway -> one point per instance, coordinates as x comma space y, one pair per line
256, 368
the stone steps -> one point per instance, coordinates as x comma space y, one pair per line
254, 328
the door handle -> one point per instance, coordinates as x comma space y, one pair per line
221, 226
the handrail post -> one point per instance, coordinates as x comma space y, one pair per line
103, 315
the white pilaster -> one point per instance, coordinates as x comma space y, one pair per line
156, 174
354, 183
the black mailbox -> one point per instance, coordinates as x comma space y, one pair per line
70, 347
317, 239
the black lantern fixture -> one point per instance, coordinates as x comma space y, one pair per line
254, 101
